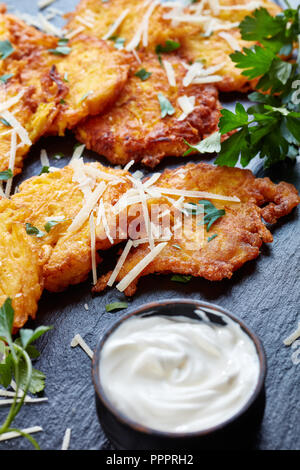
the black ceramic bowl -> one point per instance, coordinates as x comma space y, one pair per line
238, 432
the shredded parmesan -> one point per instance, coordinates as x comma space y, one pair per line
49, 27
152, 180
230, 40
14, 434
85, 22
66, 440
11, 165
93, 248
141, 191
208, 79
116, 24
20, 130
120, 262
77, 153
249, 6
129, 165
187, 104
170, 73
45, 3
79, 341
102, 216
142, 28
295, 335
74, 33
140, 266
11, 102
215, 6
44, 158
196, 194
89, 205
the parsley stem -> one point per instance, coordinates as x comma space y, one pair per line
18, 401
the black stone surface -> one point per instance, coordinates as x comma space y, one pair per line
264, 294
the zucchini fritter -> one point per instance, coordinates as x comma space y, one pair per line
133, 129
240, 232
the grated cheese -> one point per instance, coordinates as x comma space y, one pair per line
143, 197
129, 165
140, 266
11, 102
86, 307
44, 158
214, 6
102, 216
77, 153
74, 33
116, 24
152, 180
89, 205
20, 130
85, 22
120, 262
230, 40
187, 104
143, 26
79, 341
295, 335
93, 248
170, 73
195, 194
66, 440
11, 164
208, 79
194, 70
45, 3
48, 27
249, 6
136, 56
14, 434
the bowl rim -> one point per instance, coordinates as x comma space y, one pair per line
139, 427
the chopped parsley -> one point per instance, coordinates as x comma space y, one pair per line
84, 97
6, 175
209, 145
119, 42
66, 77
143, 74
5, 122
178, 247
6, 49
212, 237
165, 106
211, 214
169, 46
31, 230
45, 169
116, 306
60, 50
184, 279
6, 77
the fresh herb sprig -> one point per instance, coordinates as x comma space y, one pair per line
269, 128
15, 364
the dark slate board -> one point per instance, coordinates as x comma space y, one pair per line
264, 293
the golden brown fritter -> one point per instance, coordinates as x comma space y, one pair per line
133, 129
57, 258
20, 272
240, 232
199, 37
59, 90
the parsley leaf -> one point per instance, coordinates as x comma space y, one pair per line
6, 49
143, 74
6, 77
165, 106
6, 175
60, 50
45, 169
184, 279
31, 230
255, 62
169, 46
6, 322
119, 42
116, 306
209, 145
52, 223
230, 121
212, 214
5, 122
212, 237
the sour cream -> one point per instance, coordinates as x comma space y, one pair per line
176, 374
